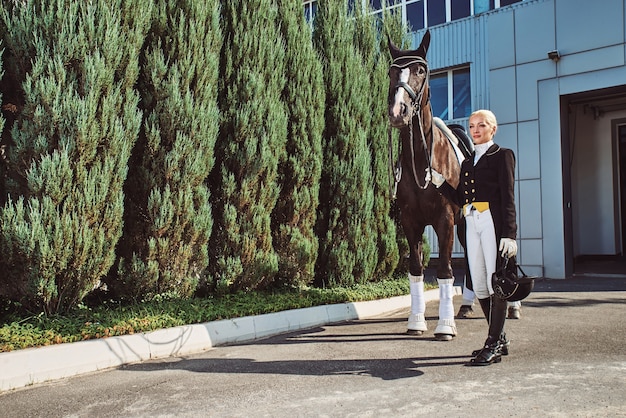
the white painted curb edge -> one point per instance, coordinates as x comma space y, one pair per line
37, 365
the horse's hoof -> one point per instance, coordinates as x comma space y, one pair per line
416, 324
465, 311
444, 337
514, 313
446, 330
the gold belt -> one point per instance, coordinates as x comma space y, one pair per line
479, 206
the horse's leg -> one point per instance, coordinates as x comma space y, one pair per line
467, 306
417, 322
446, 327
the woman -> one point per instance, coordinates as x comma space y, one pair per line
486, 195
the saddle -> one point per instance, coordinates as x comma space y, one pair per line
465, 142
458, 138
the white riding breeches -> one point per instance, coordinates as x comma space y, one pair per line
482, 251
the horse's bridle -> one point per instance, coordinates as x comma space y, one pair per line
416, 104
416, 99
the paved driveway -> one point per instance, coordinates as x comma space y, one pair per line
567, 360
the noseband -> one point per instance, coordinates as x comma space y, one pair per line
416, 103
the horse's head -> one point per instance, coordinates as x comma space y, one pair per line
408, 82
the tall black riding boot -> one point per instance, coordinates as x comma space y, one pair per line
493, 348
485, 305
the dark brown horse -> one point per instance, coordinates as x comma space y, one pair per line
426, 144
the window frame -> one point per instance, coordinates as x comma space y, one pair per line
450, 93
401, 4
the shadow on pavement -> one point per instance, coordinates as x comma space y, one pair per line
385, 369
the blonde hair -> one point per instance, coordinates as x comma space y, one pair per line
490, 118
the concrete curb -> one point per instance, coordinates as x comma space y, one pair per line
37, 365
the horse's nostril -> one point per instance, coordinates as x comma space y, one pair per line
404, 108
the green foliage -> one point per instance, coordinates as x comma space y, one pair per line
156, 144
373, 47
250, 147
71, 143
168, 215
346, 224
296, 210
108, 320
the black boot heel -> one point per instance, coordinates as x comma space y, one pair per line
503, 346
486, 356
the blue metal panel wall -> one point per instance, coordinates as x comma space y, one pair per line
461, 43
506, 50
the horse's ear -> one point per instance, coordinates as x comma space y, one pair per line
423, 48
395, 52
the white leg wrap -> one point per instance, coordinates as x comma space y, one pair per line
446, 324
417, 321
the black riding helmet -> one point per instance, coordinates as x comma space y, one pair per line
508, 285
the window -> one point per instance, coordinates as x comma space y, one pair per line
461, 97
460, 9
450, 94
419, 14
481, 6
310, 7
439, 95
415, 15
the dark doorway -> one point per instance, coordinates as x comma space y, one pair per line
594, 153
595, 265
621, 155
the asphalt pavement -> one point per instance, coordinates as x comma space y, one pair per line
567, 359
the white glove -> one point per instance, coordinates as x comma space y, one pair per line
508, 247
437, 178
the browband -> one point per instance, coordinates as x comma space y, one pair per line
414, 59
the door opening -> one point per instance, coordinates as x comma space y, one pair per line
595, 197
621, 164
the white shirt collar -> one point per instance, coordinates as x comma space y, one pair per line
481, 149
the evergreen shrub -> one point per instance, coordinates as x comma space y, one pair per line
77, 65
168, 217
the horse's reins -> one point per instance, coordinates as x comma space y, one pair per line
416, 104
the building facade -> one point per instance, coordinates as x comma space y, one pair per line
554, 73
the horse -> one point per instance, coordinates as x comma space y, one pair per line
426, 144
